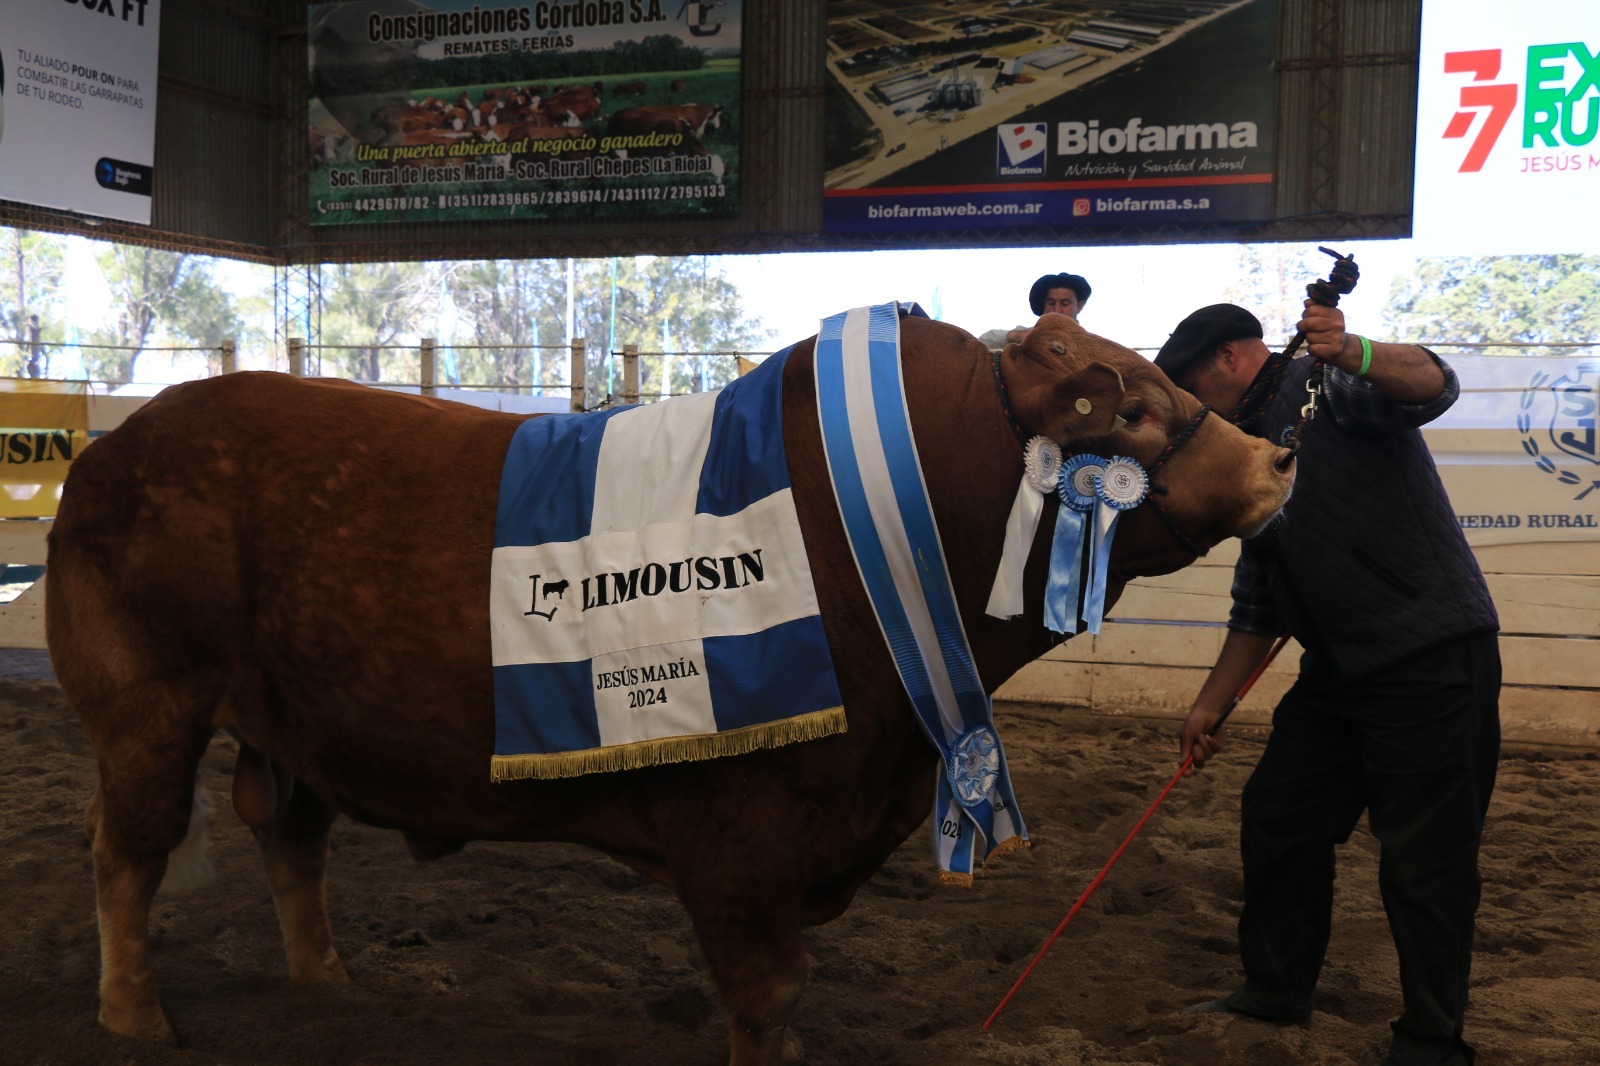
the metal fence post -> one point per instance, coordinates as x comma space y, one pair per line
430, 368
579, 374
229, 359
297, 357
630, 373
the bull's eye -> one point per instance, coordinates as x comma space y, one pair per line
1133, 414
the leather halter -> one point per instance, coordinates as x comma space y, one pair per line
1183, 437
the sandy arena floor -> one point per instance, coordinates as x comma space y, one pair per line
553, 954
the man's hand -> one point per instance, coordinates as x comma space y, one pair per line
1193, 740
1324, 330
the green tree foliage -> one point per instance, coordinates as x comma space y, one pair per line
367, 310
30, 279
662, 304
157, 294
1271, 282
512, 306
1536, 299
676, 304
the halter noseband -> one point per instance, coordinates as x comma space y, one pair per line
1183, 437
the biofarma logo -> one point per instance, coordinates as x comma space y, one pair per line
1560, 99
1021, 147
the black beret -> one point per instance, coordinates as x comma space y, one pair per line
1198, 336
1042, 287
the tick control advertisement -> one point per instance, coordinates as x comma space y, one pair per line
1000, 114
549, 110
1508, 106
78, 104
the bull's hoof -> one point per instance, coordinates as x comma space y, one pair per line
328, 970
146, 1024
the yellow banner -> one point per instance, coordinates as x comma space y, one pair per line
43, 425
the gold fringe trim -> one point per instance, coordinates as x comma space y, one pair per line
1004, 848
662, 750
1001, 850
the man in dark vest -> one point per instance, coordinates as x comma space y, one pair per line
1396, 709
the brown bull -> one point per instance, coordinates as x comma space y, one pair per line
241, 555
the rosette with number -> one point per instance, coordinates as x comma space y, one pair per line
1041, 465
1076, 487
1121, 486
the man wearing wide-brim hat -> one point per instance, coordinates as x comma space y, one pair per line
1396, 709
1053, 294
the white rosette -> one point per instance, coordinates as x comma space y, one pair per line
1041, 466
1123, 484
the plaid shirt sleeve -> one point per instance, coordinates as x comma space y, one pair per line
1356, 405
1253, 610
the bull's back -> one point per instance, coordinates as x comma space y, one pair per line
318, 535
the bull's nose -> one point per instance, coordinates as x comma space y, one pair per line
1282, 461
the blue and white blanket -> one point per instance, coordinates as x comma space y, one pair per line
650, 598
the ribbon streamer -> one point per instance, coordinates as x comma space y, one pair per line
1041, 463
1064, 585
1120, 486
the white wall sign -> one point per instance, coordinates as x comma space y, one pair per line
78, 104
1508, 107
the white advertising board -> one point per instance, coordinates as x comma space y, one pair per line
1508, 107
78, 104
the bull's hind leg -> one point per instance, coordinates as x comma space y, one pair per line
294, 848
139, 815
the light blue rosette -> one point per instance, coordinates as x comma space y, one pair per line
1121, 486
1076, 487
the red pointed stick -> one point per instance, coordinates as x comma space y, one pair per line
1101, 876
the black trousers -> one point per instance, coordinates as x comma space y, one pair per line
1416, 746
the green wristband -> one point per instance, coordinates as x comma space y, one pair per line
1366, 357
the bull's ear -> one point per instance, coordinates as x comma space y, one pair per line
1085, 404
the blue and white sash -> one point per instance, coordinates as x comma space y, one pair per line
877, 481
650, 596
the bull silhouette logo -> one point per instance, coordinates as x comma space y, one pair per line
551, 588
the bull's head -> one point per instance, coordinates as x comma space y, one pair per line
1090, 394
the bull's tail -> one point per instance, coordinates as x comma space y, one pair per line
189, 866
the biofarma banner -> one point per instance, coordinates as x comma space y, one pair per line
998, 115
550, 110
78, 105
1508, 106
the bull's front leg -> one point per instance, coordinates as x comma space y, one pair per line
743, 892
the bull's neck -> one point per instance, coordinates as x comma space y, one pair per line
972, 464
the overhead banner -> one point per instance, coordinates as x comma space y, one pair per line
1518, 451
78, 105
483, 109
1034, 113
1508, 105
